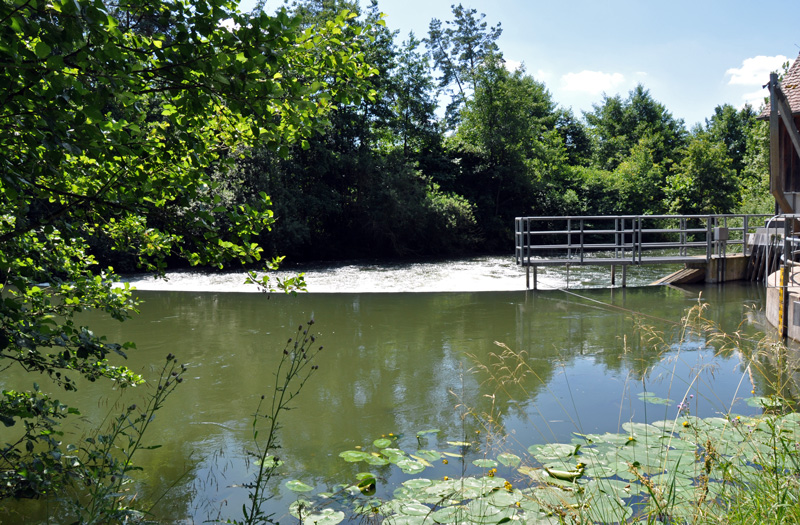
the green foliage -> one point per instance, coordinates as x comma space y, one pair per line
618, 125
731, 127
112, 118
103, 462
459, 49
703, 182
756, 197
512, 158
668, 471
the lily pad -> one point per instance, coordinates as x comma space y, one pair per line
354, 456
642, 429
485, 463
418, 483
298, 486
649, 397
412, 508
552, 451
410, 466
429, 455
382, 442
509, 460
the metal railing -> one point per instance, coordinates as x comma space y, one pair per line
631, 239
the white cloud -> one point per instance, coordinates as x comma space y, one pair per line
513, 65
592, 82
543, 76
755, 98
755, 71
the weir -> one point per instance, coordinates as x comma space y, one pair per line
714, 248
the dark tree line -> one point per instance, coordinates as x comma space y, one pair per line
453, 145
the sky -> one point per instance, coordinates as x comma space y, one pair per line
691, 55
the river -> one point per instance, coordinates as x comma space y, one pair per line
400, 363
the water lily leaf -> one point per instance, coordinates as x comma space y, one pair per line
482, 511
299, 508
641, 429
402, 519
298, 486
369, 508
485, 463
504, 498
509, 460
552, 451
376, 460
368, 486
411, 508
609, 509
430, 455
393, 454
614, 439
270, 462
418, 483
354, 456
765, 402
429, 431
448, 515
453, 455
441, 489
554, 496
649, 397
422, 460
615, 487
324, 517
459, 443
382, 442
410, 466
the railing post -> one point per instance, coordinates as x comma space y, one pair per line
683, 238
569, 238
581, 241
527, 237
709, 238
744, 235
640, 228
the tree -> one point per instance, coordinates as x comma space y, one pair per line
730, 126
458, 49
704, 181
510, 153
618, 125
112, 118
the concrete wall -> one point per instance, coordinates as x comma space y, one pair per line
722, 269
793, 308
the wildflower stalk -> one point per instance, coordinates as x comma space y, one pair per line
101, 468
294, 369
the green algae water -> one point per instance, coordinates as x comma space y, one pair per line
395, 364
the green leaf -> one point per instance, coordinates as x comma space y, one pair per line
382, 442
42, 50
508, 459
298, 486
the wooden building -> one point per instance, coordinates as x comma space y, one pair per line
783, 113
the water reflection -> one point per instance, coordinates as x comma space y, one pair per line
401, 363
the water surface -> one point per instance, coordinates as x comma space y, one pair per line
401, 363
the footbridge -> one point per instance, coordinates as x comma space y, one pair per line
705, 242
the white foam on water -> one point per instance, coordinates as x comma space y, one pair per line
476, 274
462, 275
